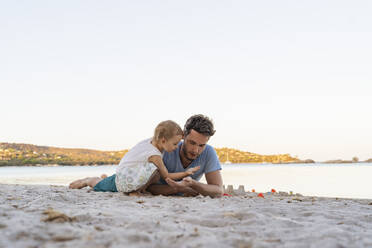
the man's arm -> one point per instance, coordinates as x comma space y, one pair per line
162, 189
213, 188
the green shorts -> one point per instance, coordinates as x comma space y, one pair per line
106, 185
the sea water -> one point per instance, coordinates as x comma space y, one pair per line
332, 180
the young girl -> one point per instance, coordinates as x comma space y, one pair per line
142, 165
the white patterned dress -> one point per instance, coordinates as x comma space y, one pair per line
134, 170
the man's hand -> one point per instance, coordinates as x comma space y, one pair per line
213, 188
188, 181
191, 171
183, 186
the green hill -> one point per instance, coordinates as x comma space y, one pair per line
237, 156
26, 154
12, 154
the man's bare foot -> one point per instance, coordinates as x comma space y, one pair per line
79, 184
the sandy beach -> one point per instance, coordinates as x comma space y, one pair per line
55, 216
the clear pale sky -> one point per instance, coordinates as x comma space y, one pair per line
275, 76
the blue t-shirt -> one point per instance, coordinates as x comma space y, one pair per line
207, 160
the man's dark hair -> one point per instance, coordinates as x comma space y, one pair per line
201, 124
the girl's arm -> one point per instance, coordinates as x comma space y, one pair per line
180, 175
158, 161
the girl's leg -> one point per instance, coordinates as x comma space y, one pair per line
155, 177
88, 181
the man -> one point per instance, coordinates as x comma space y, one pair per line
193, 151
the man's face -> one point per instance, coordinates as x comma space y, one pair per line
194, 144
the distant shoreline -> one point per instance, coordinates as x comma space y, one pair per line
230, 164
14, 154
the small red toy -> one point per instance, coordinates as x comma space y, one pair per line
260, 195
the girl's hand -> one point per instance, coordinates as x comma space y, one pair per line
191, 171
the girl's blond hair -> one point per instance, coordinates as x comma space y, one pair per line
167, 129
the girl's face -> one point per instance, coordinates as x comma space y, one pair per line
171, 144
